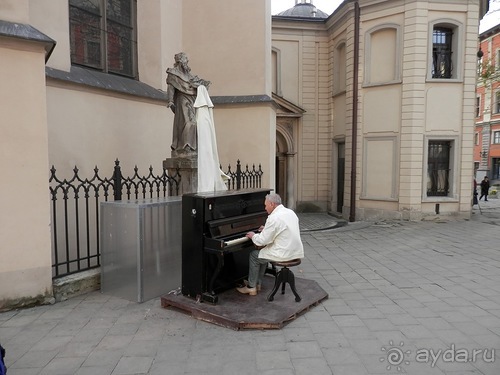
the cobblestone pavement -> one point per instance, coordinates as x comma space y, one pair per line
414, 297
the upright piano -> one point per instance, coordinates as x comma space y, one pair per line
215, 250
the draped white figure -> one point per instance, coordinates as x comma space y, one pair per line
210, 176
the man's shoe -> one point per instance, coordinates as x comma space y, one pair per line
259, 286
247, 290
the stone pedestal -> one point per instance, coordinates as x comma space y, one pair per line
188, 169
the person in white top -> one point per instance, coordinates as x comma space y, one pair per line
278, 240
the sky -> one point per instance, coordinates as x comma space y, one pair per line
328, 6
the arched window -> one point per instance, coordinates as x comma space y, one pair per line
383, 55
276, 71
339, 68
442, 64
445, 50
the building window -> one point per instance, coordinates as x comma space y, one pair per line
103, 35
496, 102
495, 168
438, 168
479, 67
476, 139
339, 69
496, 137
383, 55
442, 63
477, 109
276, 71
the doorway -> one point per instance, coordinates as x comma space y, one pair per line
281, 176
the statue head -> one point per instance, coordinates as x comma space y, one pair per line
181, 61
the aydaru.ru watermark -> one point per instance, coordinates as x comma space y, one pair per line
453, 354
397, 357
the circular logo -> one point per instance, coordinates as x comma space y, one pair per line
395, 356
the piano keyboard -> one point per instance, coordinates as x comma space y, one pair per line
236, 241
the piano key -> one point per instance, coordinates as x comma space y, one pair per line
236, 241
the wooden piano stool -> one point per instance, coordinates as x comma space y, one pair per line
283, 276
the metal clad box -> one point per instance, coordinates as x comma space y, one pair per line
141, 250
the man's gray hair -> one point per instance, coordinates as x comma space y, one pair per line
274, 198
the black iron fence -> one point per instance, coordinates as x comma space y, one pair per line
75, 208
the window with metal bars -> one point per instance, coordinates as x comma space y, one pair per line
438, 168
103, 35
495, 168
442, 65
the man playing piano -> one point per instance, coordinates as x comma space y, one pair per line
278, 240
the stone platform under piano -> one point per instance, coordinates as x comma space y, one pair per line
241, 311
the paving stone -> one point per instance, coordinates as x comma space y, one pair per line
77, 349
103, 358
331, 340
32, 359
304, 349
324, 327
114, 342
63, 366
341, 356
368, 312
23, 371
52, 343
94, 370
133, 365
434, 323
244, 367
272, 360
379, 324
354, 369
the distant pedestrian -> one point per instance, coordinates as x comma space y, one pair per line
474, 199
485, 187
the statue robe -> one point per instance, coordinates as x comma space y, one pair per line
181, 89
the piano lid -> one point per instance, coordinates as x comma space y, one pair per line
226, 204
228, 193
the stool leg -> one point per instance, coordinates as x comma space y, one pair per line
285, 271
291, 281
277, 281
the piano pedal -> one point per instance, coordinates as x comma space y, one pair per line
210, 298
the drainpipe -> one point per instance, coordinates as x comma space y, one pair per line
352, 214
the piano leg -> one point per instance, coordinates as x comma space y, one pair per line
210, 296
